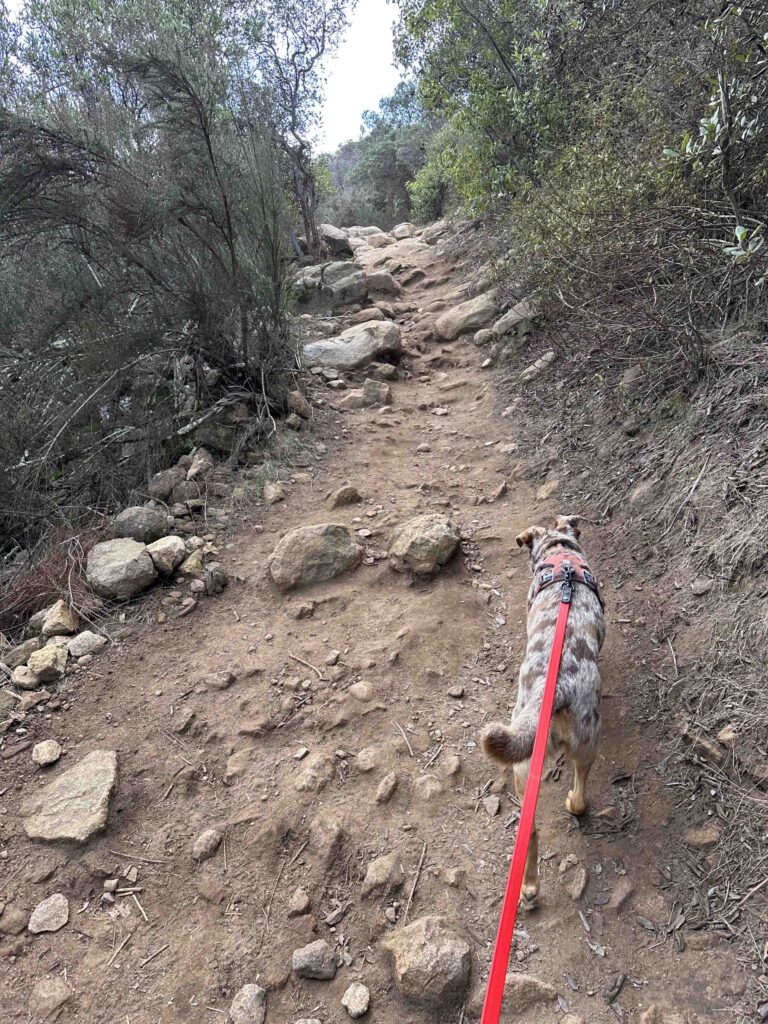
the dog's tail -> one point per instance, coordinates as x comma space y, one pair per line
511, 744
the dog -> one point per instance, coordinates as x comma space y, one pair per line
575, 727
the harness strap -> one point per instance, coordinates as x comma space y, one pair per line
561, 566
494, 995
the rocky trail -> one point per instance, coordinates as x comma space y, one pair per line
287, 814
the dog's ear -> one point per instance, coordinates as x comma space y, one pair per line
568, 524
527, 537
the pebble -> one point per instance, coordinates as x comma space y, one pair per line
457, 692
50, 915
299, 903
46, 752
356, 1000
206, 844
492, 805
333, 658
577, 883
386, 788
317, 960
248, 1006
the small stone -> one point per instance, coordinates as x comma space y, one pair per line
86, 643
301, 753
50, 915
76, 803
60, 620
248, 1006
457, 692
492, 805
703, 836
206, 844
577, 883
48, 996
167, 554
13, 921
273, 492
727, 736
431, 962
346, 495
220, 680
319, 771
701, 586
621, 895
49, 663
316, 960
384, 875
386, 788
427, 788
18, 656
299, 903
423, 448
451, 765
333, 658
46, 752
362, 691
294, 422
25, 678
356, 1000
299, 405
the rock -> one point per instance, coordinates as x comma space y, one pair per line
167, 554
524, 991
468, 316
427, 788
547, 489
521, 313
356, 1000
382, 371
141, 524
273, 492
362, 690
206, 844
316, 960
386, 788
381, 283
318, 771
18, 656
50, 915
298, 404
335, 240
25, 678
577, 883
536, 369
202, 465
299, 903
572, 1018
423, 545
404, 230
384, 875
703, 836
294, 422
13, 921
631, 376
120, 568
46, 752
621, 895
60, 620
314, 554
380, 240
727, 735
357, 346
492, 805
483, 337
161, 485
49, 663
48, 996
431, 962
434, 232
76, 803
86, 643
341, 284
346, 495
326, 838
702, 586
423, 448
248, 1006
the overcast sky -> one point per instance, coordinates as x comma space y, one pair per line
360, 74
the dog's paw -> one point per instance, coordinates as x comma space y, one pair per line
529, 897
575, 807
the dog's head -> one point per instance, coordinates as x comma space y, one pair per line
539, 539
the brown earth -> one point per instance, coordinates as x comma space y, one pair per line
225, 923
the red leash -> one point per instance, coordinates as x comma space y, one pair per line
494, 995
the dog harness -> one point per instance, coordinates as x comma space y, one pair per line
564, 567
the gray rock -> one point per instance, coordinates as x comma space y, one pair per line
467, 316
50, 915
273, 492
386, 788
317, 960
86, 642
342, 284
48, 996
120, 568
423, 545
299, 903
521, 992
384, 875
161, 485
74, 805
519, 314
431, 963
167, 554
536, 369
60, 620
335, 240
381, 283
141, 524
313, 554
49, 663
357, 346
346, 495
18, 656
25, 678
356, 1000
404, 230
13, 921
318, 770
249, 1006
434, 232
46, 752
206, 844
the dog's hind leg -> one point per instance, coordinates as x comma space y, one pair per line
576, 802
531, 876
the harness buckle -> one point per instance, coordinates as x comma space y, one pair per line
566, 590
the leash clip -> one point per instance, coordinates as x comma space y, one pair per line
566, 592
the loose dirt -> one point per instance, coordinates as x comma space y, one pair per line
439, 658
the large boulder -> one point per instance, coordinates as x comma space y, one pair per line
161, 484
381, 283
335, 240
75, 805
141, 524
343, 283
404, 230
120, 568
434, 232
313, 554
520, 313
380, 240
423, 545
431, 962
357, 346
467, 317
167, 554
356, 231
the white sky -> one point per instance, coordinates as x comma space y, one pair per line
360, 74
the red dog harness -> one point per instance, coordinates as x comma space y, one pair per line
564, 567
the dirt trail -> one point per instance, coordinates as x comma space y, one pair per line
225, 923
